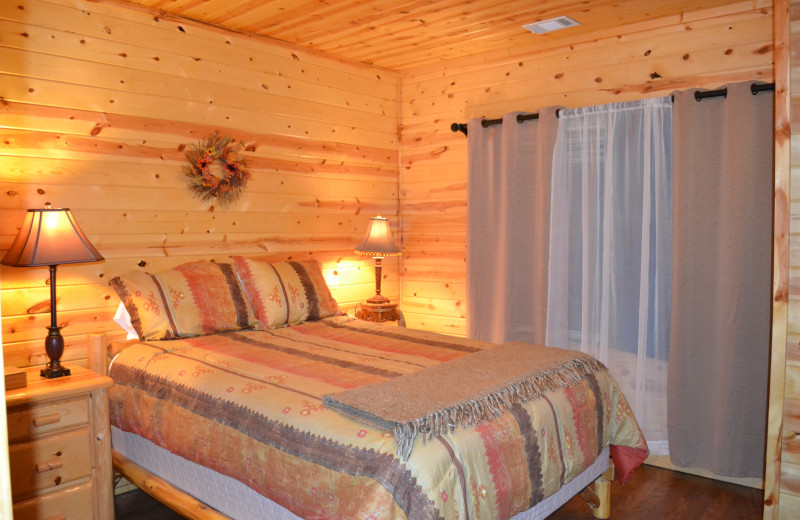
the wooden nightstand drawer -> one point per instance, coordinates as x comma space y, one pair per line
30, 421
60, 447
49, 462
74, 503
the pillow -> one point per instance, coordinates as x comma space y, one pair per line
285, 292
189, 300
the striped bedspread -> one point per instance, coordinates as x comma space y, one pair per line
248, 404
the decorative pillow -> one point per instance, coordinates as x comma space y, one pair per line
286, 292
190, 300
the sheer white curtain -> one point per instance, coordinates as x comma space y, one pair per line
610, 248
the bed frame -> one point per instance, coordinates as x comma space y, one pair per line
100, 352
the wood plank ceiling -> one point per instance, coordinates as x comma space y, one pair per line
402, 34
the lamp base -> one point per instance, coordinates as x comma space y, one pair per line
378, 298
54, 345
52, 372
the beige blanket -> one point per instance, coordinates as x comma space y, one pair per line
462, 392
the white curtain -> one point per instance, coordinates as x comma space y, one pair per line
610, 248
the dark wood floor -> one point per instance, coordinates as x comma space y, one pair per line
652, 493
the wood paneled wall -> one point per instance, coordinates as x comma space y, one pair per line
96, 103
699, 49
785, 385
97, 100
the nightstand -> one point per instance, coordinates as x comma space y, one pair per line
60, 447
380, 312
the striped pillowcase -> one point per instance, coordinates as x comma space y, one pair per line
189, 300
286, 292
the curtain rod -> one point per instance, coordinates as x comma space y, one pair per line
521, 118
755, 88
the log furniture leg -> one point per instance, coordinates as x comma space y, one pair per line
598, 496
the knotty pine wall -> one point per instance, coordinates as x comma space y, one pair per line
96, 102
700, 49
98, 99
789, 460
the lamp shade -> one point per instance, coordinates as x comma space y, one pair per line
379, 241
50, 236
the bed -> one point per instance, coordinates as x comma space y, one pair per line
222, 397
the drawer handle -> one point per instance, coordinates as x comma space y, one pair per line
44, 420
49, 465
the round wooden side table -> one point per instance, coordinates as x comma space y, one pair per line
380, 312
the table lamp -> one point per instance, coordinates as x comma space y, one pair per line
51, 237
377, 244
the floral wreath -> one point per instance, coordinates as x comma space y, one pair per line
216, 171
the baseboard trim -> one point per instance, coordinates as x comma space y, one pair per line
663, 461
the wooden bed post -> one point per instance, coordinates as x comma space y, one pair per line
598, 496
602, 487
96, 352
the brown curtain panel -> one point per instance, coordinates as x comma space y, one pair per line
509, 198
721, 281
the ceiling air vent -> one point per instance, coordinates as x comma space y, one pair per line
554, 24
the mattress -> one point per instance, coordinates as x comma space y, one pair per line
248, 405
